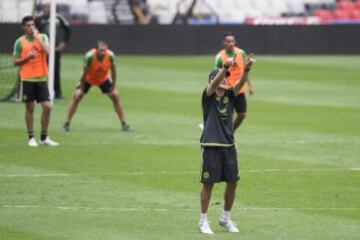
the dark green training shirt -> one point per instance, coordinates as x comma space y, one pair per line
63, 30
217, 118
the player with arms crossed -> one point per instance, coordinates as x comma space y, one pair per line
219, 160
97, 66
236, 70
30, 54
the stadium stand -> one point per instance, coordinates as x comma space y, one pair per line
199, 11
13, 11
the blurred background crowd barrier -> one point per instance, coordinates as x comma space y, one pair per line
196, 26
194, 12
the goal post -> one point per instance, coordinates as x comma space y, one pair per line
52, 38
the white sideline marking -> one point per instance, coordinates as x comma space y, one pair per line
301, 170
65, 208
178, 173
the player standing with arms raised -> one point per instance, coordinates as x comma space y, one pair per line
219, 160
230, 49
30, 54
98, 64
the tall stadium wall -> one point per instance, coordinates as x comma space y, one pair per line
172, 39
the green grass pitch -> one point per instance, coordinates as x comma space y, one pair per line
299, 153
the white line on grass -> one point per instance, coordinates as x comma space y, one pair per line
301, 170
274, 170
192, 143
140, 209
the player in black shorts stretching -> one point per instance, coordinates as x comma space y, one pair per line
219, 161
99, 70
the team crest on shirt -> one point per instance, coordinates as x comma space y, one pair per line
223, 112
222, 107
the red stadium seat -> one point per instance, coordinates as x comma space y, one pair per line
345, 5
324, 15
355, 14
341, 14
357, 4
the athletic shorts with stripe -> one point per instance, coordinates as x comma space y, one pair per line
35, 91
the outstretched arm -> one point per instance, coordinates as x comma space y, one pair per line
249, 62
219, 77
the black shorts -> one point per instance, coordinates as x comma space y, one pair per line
219, 164
240, 103
35, 91
105, 86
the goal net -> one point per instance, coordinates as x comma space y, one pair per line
11, 13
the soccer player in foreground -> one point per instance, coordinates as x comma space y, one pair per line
236, 70
30, 54
99, 62
219, 160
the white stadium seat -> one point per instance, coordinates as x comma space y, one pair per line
279, 7
98, 12
80, 7
164, 10
229, 11
296, 6
9, 11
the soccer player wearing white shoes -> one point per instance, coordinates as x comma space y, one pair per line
30, 54
219, 160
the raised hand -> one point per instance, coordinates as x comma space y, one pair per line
35, 31
33, 54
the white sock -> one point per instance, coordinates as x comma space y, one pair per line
225, 215
203, 217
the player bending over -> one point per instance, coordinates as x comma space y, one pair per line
30, 54
219, 160
98, 64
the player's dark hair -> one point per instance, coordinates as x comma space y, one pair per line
26, 19
100, 42
227, 34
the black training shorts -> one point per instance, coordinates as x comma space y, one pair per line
105, 86
240, 103
219, 164
35, 91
